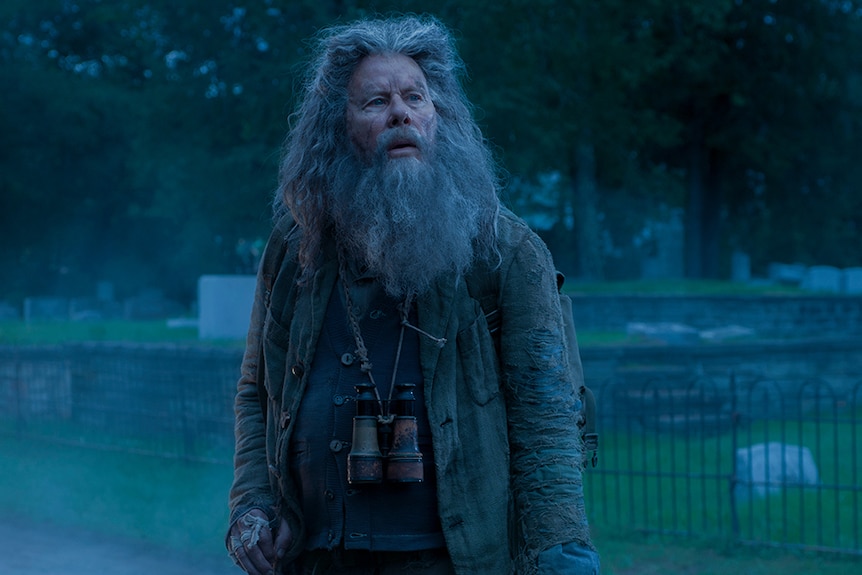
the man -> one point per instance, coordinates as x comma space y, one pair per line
384, 424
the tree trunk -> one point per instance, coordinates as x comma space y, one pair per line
694, 211
703, 216
711, 221
586, 211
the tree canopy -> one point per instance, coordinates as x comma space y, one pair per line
139, 139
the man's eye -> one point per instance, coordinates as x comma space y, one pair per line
377, 102
415, 97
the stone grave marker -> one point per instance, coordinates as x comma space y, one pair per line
225, 303
46, 309
740, 264
823, 279
767, 468
853, 281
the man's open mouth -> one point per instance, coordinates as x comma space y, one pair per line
400, 145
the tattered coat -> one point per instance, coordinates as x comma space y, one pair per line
505, 439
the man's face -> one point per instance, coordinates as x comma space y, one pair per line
388, 105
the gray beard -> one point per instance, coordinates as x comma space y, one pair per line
407, 220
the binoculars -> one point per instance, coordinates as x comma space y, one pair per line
385, 445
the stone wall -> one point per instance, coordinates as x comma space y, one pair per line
178, 399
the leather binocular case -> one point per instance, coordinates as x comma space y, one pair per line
404, 460
365, 461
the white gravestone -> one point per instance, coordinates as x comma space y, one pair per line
822, 278
765, 468
740, 265
224, 303
853, 281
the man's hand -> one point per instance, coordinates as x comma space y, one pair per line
252, 545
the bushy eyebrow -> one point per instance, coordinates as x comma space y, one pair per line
371, 88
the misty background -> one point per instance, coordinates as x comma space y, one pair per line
642, 139
139, 139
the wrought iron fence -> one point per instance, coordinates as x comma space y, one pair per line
758, 461
165, 400
738, 457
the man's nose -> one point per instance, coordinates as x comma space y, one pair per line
399, 113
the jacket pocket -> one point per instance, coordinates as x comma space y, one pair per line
478, 360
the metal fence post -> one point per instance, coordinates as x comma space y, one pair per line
734, 426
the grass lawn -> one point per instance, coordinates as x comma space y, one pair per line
166, 502
57, 332
681, 288
46, 333
182, 506
632, 554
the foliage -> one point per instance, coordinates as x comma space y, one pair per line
139, 139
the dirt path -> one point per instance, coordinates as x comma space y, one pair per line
34, 549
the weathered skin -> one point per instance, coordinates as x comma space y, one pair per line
506, 444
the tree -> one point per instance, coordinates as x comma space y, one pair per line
761, 89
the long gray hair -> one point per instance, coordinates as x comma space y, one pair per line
318, 139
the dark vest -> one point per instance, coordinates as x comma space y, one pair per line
380, 517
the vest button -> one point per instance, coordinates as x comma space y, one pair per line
347, 359
335, 446
297, 371
339, 400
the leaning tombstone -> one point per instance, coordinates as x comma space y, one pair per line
767, 468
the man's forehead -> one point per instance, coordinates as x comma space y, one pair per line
381, 71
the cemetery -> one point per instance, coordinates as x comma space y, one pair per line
699, 377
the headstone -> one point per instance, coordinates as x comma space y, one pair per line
225, 303
823, 279
726, 332
853, 281
666, 259
105, 291
8, 311
740, 267
667, 332
792, 274
84, 309
766, 468
46, 309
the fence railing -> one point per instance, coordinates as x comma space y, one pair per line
737, 457
758, 461
171, 401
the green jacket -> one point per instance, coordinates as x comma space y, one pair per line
506, 444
